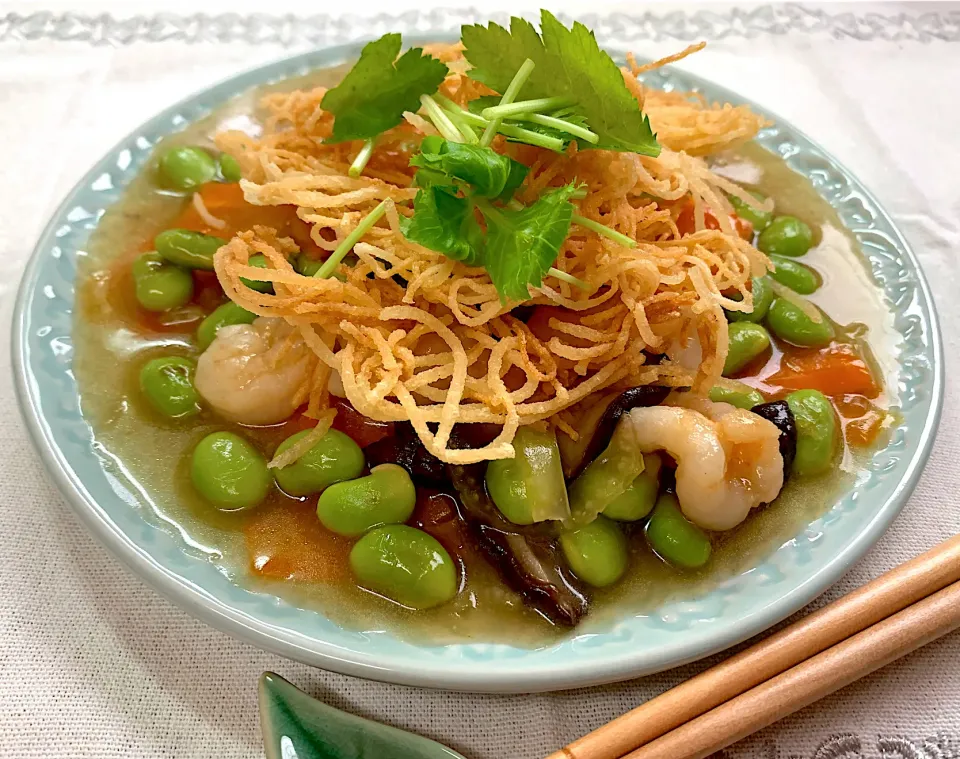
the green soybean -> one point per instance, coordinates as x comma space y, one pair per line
790, 323
736, 394
229, 472
222, 316
758, 218
746, 341
406, 565
596, 552
192, 250
529, 487
229, 168
168, 384
762, 298
333, 458
817, 436
306, 265
799, 278
260, 261
674, 538
637, 500
186, 168
385, 496
160, 286
786, 236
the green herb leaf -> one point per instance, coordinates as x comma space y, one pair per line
374, 94
445, 223
522, 245
569, 63
489, 174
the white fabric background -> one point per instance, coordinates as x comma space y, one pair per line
95, 664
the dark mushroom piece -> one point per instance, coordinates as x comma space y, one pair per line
780, 414
403, 447
527, 558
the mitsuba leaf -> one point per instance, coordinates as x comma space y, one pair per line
375, 93
569, 63
445, 223
522, 245
489, 174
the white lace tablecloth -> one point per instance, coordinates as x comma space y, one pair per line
95, 664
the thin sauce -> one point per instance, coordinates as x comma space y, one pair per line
280, 547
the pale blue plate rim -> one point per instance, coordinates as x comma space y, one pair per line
679, 633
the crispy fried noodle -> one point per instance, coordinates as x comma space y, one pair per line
441, 349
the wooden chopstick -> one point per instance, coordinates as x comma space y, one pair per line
885, 596
810, 681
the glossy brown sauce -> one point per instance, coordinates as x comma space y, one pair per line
280, 546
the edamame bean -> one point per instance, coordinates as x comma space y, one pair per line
759, 218
307, 266
385, 496
222, 316
799, 278
596, 552
529, 487
746, 341
229, 472
230, 168
333, 458
192, 250
790, 323
817, 438
674, 538
637, 500
762, 298
160, 286
168, 384
736, 394
186, 168
786, 236
406, 565
260, 261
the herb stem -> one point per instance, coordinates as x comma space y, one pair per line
562, 126
562, 275
440, 119
579, 194
600, 229
531, 138
456, 115
513, 89
512, 110
350, 240
360, 162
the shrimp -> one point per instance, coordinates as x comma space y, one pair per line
728, 459
256, 373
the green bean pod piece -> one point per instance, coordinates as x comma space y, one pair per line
406, 565
167, 383
192, 250
222, 316
762, 298
229, 472
158, 285
817, 432
674, 537
596, 552
790, 323
760, 219
186, 167
799, 278
746, 341
385, 496
333, 458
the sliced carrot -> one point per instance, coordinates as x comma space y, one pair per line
687, 222
835, 370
